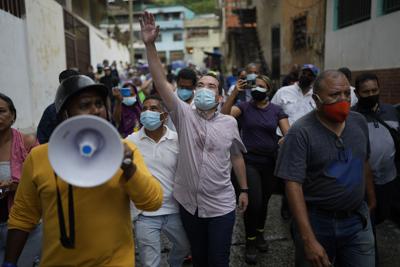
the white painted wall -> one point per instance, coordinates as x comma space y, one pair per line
46, 52
371, 44
32, 53
14, 79
102, 47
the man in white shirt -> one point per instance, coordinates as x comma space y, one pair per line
296, 101
347, 72
159, 147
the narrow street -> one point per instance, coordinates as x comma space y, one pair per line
281, 250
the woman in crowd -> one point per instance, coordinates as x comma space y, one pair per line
259, 120
127, 110
14, 147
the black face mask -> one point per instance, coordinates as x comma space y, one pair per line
258, 96
368, 102
305, 82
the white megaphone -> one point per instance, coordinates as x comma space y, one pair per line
85, 151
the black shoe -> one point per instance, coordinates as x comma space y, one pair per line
251, 252
261, 243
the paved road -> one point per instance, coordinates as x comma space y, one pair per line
281, 252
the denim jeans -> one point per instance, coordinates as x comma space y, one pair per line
346, 241
32, 248
148, 230
210, 238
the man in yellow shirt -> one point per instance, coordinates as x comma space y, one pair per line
100, 232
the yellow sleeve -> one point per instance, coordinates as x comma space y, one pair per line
144, 190
26, 210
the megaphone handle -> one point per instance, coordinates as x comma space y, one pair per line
67, 242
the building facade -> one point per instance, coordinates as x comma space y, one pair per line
170, 43
291, 32
364, 36
202, 34
42, 38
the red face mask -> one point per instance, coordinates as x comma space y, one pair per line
337, 111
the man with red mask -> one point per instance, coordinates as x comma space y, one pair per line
324, 161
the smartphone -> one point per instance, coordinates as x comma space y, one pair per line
125, 91
250, 84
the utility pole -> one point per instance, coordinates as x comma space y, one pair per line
131, 48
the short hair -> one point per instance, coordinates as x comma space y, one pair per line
347, 72
251, 65
362, 78
155, 97
212, 74
318, 83
10, 104
240, 71
266, 79
66, 74
187, 74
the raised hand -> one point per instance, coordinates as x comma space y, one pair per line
148, 27
117, 94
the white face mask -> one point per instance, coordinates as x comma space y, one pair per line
204, 99
129, 101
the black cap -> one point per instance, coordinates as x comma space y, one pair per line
74, 85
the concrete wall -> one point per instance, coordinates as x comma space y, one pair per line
371, 44
268, 16
14, 79
33, 54
103, 47
46, 52
313, 53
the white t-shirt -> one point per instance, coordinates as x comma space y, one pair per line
354, 98
293, 102
161, 158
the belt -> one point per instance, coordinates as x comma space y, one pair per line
340, 214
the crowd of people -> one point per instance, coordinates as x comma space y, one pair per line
198, 153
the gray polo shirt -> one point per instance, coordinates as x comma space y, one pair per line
331, 169
203, 180
382, 160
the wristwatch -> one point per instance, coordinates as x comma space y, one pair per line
244, 190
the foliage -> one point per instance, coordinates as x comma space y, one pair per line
198, 6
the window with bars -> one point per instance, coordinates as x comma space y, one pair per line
300, 32
390, 6
177, 37
352, 12
14, 7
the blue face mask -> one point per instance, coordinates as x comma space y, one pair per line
204, 99
129, 101
150, 120
184, 93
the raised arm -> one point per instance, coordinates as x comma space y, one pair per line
149, 34
228, 108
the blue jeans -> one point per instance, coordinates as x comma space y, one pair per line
148, 230
210, 238
347, 241
32, 248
